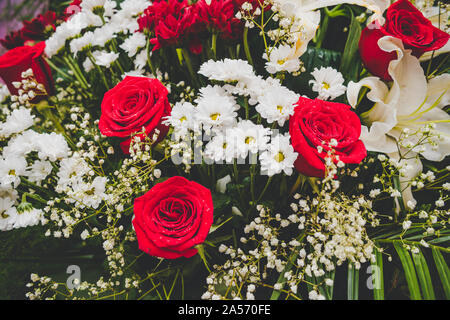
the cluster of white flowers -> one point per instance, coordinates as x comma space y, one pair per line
107, 22
228, 136
17, 164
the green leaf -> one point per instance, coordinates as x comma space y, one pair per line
351, 47
316, 57
424, 276
377, 276
443, 271
410, 273
352, 282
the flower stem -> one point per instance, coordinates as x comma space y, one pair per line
246, 47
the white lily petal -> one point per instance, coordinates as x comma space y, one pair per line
378, 90
376, 139
409, 82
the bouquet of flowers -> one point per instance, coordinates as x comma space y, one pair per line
230, 149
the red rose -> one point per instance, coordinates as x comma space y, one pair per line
136, 102
315, 123
172, 218
20, 59
376, 60
405, 22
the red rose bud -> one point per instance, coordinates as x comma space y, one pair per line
405, 22
315, 123
133, 104
172, 218
20, 59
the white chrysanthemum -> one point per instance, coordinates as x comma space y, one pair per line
216, 108
11, 169
18, 121
52, 146
8, 215
88, 65
277, 104
82, 43
282, 58
279, 156
132, 8
133, 43
4, 93
27, 218
221, 148
20, 145
38, 171
228, 70
71, 170
328, 82
89, 194
91, 4
140, 60
103, 35
249, 137
105, 59
182, 119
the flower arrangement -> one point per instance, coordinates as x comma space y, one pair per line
231, 149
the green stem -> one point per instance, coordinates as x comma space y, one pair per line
246, 47
105, 82
214, 44
265, 189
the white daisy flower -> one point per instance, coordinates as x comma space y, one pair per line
105, 59
227, 70
89, 194
82, 43
39, 171
279, 156
182, 118
7, 215
222, 147
216, 108
277, 104
71, 170
103, 35
282, 58
27, 218
249, 138
10, 171
18, 121
133, 43
328, 82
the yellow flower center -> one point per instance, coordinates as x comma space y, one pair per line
183, 118
249, 140
215, 116
12, 172
280, 109
326, 85
279, 157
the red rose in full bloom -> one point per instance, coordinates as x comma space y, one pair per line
407, 23
315, 123
20, 59
173, 217
136, 102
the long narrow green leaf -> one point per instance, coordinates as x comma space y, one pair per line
351, 46
410, 273
443, 271
377, 276
352, 282
424, 276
